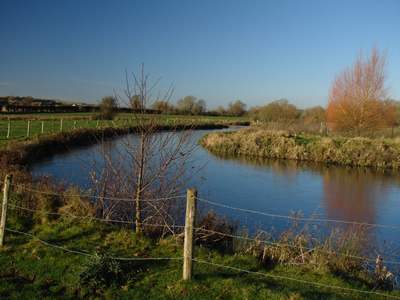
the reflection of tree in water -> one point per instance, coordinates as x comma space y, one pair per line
281, 168
352, 194
348, 194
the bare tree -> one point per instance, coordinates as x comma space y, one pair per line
357, 97
149, 168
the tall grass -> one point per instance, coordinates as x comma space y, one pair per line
258, 142
346, 251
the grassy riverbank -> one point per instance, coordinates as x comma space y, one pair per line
291, 265
31, 269
258, 142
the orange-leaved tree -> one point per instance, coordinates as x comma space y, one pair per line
357, 99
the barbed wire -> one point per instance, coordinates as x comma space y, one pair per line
295, 279
292, 217
93, 196
213, 203
308, 249
91, 255
204, 262
94, 218
200, 261
255, 240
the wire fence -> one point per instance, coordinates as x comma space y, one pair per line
200, 229
14, 129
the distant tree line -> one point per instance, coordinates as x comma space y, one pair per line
281, 110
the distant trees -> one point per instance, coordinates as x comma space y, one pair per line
191, 106
108, 107
237, 109
357, 98
314, 114
164, 108
279, 110
135, 102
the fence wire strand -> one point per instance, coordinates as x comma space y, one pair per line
208, 231
94, 218
295, 279
92, 196
91, 255
208, 263
212, 203
293, 218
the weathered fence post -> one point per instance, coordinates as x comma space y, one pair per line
28, 129
9, 129
61, 125
42, 127
7, 184
188, 250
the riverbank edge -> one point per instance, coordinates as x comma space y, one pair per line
23, 152
258, 142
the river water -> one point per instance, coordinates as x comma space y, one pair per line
274, 189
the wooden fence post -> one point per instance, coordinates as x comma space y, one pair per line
188, 250
61, 125
42, 127
7, 184
9, 129
28, 129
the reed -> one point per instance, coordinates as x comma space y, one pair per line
345, 251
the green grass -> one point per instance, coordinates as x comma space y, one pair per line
31, 269
53, 123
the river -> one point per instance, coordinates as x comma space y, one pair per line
277, 188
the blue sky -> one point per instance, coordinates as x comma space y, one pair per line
219, 51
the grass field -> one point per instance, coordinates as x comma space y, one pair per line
15, 126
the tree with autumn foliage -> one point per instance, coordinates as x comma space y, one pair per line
357, 99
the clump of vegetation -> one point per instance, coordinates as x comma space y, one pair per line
346, 251
108, 107
215, 231
103, 271
284, 145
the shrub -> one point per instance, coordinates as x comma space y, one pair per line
102, 271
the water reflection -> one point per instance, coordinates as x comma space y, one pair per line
279, 187
364, 195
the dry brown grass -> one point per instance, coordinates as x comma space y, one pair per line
259, 142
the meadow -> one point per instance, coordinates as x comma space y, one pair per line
25, 126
